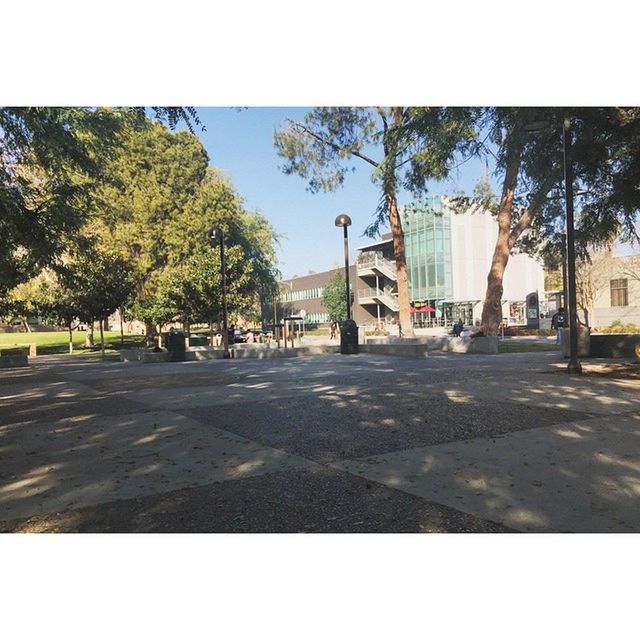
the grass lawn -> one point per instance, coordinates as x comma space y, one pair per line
518, 347
57, 342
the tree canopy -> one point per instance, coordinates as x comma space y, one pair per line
405, 146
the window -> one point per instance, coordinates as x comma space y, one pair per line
619, 293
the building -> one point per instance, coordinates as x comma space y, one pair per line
608, 288
448, 257
302, 296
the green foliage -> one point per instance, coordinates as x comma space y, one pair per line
617, 326
51, 160
154, 177
334, 296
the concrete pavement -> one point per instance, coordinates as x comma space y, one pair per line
450, 442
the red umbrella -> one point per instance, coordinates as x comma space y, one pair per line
421, 309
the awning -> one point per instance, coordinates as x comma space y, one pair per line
421, 309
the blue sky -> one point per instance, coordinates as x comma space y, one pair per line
241, 143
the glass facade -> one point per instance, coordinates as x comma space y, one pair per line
427, 239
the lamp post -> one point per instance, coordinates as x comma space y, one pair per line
344, 221
574, 366
569, 263
216, 234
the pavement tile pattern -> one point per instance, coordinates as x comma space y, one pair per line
367, 443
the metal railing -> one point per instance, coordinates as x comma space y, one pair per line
386, 297
387, 267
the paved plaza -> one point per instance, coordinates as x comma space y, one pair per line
362, 443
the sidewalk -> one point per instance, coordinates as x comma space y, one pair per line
448, 443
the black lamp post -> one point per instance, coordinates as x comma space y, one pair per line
344, 221
574, 365
569, 253
216, 234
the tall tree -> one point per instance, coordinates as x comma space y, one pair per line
526, 144
50, 159
412, 146
140, 214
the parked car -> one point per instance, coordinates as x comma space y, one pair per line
239, 337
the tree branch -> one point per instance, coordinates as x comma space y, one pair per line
333, 145
521, 226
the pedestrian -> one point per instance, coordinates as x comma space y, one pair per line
558, 321
333, 330
458, 327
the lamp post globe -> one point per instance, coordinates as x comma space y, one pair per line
215, 234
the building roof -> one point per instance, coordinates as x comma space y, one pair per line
386, 239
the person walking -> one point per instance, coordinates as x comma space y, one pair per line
333, 330
558, 321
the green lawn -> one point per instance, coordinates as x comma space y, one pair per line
517, 347
54, 342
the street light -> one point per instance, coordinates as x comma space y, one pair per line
215, 234
574, 365
344, 221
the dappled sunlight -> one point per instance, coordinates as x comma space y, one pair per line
567, 433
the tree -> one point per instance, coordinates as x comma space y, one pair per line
50, 161
321, 148
156, 310
160, 217
141, 213
334, 296
605, 160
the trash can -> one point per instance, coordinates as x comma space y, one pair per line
176, 345
348, 337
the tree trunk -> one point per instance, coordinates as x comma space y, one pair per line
121, 326
212, 339
88, 339
101, 323
389, 181
492, 308
27, 328
404, 314
149, 329
70, 337
159, 329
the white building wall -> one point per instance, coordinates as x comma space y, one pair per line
473, 238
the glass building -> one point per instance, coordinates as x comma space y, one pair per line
427, 238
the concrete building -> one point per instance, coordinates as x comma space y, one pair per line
302, 296
448, 258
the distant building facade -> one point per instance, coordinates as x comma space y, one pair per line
448, 257
609, 287
302, 296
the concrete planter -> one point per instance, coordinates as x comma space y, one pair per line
584, 343
17, 360
143, 355
482, 344
615, 345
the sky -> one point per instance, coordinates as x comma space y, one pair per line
241, 143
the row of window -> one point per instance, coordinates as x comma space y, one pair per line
305, 294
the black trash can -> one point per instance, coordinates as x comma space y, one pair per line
176, 345
348, 337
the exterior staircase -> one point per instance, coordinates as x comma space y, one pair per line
377, 265
379, 296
